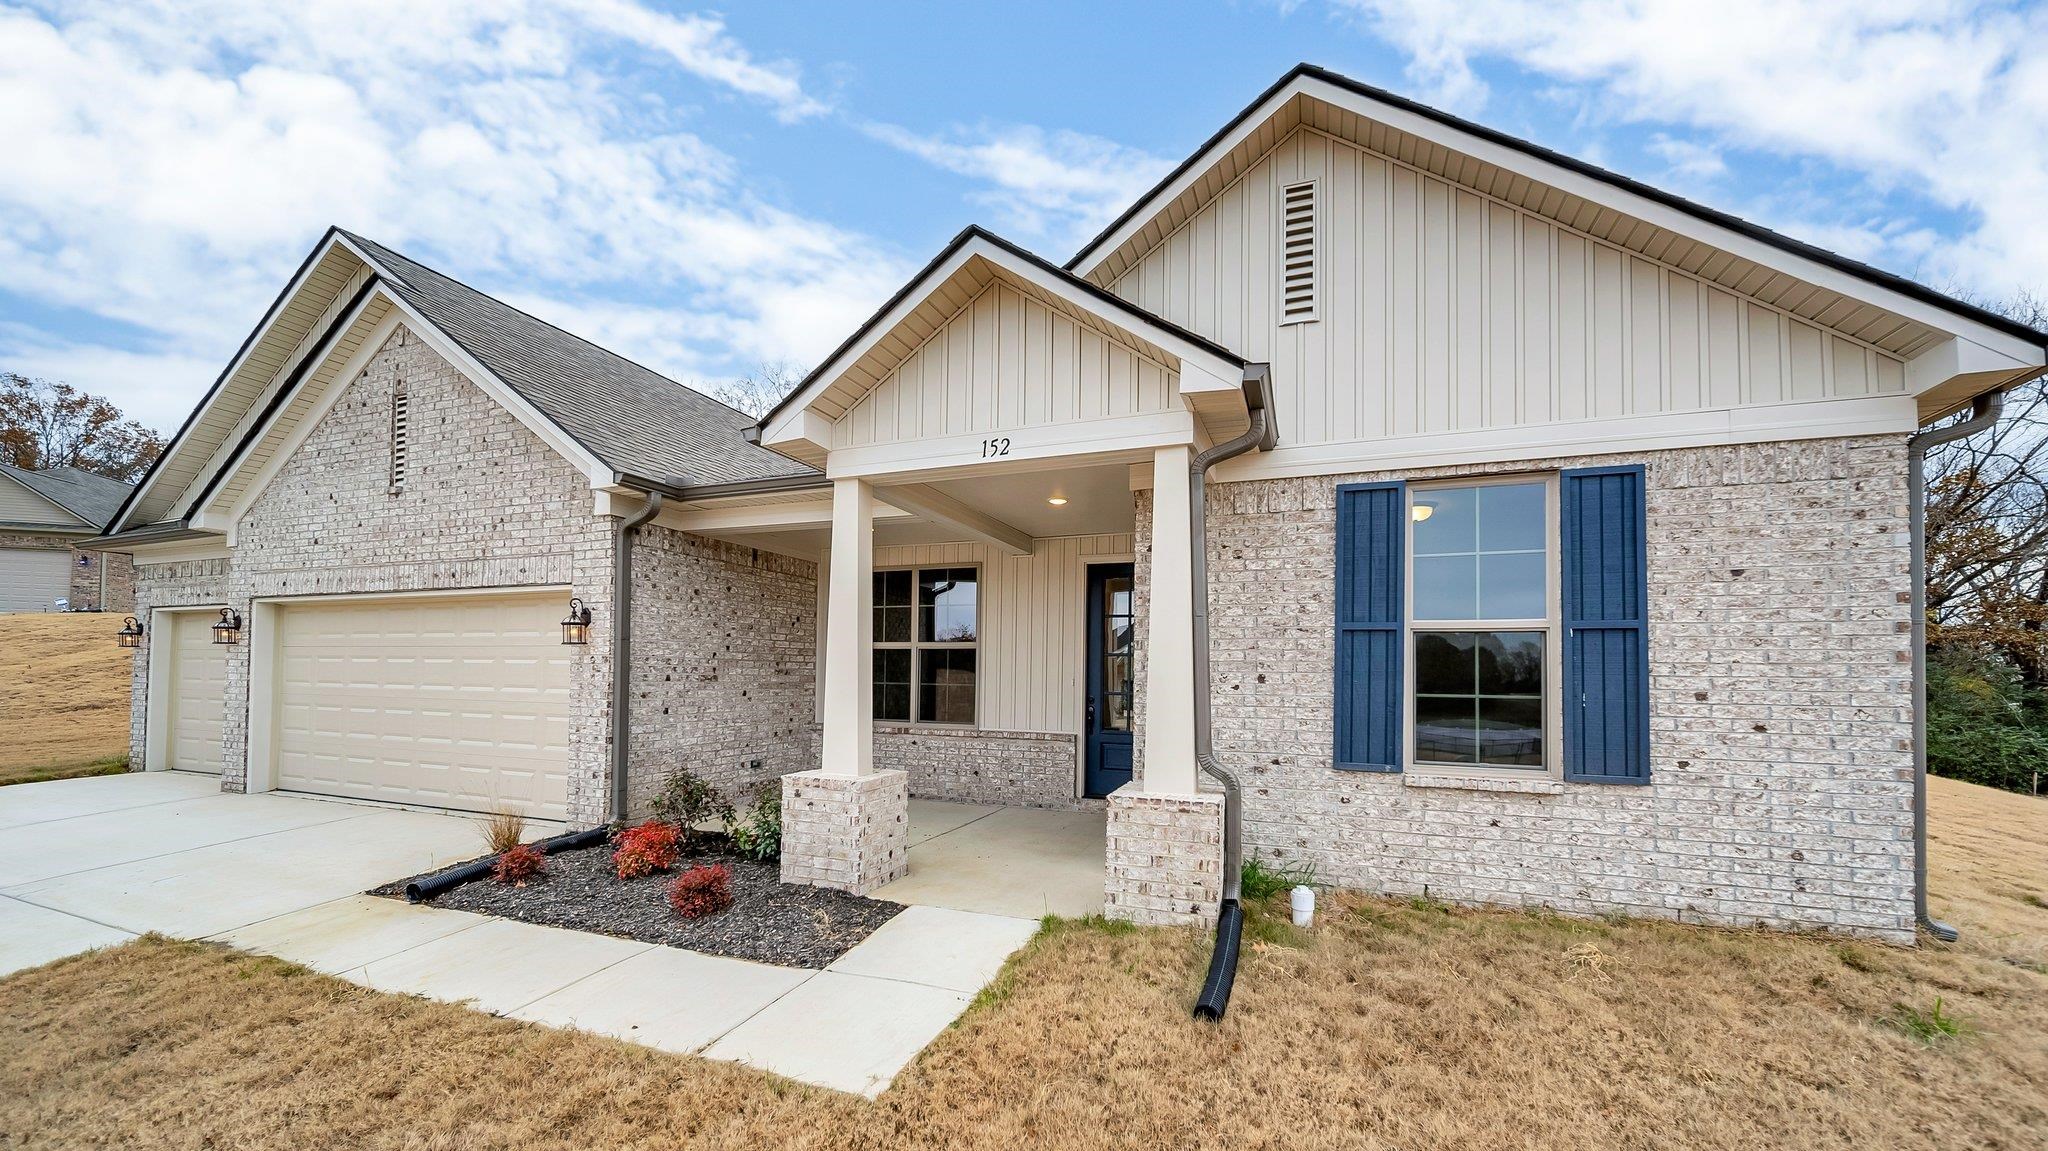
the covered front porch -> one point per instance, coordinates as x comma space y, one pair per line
1005, 571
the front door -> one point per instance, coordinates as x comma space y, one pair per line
1110, 626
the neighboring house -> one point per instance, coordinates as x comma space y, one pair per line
43, 516
1579, 574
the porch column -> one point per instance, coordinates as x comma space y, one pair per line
846, 825
1170, 632
849, 741
1165, 836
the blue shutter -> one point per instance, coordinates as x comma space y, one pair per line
1370, 571
1606, 627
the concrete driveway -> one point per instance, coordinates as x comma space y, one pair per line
91, 862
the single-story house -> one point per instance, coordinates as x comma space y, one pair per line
44, 514
1561, 556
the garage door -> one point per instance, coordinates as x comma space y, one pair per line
198, 681
33, 579
457, 702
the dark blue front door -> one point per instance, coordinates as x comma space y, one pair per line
1110, 624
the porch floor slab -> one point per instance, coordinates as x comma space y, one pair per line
1013, 861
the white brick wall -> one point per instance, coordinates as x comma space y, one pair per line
974, 765
845, 833
1163, 860
1780, 706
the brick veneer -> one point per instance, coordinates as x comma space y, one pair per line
971, 765
845, 832
1163, 858
1780, 706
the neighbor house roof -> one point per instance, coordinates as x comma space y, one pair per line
634, 419
91, 497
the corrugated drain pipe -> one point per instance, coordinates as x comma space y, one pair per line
622, 645
1982, 415
1262, 433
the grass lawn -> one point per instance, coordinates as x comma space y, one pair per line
1398, 1024
64, 691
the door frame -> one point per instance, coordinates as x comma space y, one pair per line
1091, 671
156, 713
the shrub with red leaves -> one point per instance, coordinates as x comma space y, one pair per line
653, 846
701, 891
519, 864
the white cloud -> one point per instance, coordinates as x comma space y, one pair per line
1692, 160
1059, 186
169, 163
1940, 97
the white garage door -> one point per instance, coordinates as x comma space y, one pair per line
443, 702
198, 680
33, 579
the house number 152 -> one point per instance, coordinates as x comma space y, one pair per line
1000, 446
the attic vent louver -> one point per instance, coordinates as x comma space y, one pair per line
399, 421
1298, 252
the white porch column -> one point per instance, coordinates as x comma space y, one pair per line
1170, 632
849, 673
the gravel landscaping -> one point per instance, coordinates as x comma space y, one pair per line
769, 921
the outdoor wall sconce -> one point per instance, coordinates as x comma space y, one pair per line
130, 634
576, 627
229, 629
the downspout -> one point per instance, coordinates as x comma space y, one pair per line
622, 644
1982, 415
1215, 996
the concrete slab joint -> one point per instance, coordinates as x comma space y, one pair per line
1165, 857
847, 832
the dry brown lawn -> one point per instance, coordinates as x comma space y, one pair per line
64, 689
1397, 1025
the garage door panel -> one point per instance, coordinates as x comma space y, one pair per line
456, 702
196, 712
34, 579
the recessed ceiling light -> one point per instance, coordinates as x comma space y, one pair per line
1057, 501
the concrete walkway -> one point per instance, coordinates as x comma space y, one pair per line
93, 862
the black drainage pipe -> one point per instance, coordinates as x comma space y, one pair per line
1215, 994
442, 882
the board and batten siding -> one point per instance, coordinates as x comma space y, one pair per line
1444, 310
1033, 623
1007, 361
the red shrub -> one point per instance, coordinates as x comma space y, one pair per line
701, 891
646, 849
519, 864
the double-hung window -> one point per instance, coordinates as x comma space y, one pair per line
926, 644
1482, 626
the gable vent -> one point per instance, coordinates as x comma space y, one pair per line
400, 419
1298, 252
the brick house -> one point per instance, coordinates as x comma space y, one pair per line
1555, 543
44, 515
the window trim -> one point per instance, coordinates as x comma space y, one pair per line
914, 645
1551, 625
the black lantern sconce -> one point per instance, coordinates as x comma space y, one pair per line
229, 629
576, 626
130, 634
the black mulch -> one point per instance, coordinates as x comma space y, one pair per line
769, 921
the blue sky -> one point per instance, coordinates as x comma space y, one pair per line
705, 191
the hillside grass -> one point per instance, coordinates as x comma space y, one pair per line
64, 692
1392, 1024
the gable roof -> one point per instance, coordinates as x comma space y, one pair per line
635, 420
91, 497
1306, 78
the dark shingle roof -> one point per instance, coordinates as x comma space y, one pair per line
91, 497
635, 420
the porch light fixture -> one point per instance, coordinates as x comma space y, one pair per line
130, 634
1422, 510
576, 626
229, 629
1057, 501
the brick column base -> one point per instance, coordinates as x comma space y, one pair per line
1165, 862
845, 832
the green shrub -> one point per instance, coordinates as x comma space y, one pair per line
1983, 724
686, 800
757, 833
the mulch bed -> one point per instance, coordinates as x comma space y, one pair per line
769, 921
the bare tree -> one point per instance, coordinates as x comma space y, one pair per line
46, 424
759, 390
1987, 527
